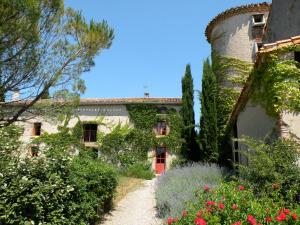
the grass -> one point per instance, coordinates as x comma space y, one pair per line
126, 185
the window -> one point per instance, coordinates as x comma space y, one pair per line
297, 57
161, 128
259, 45
160, 155
37, 129
34, 151
258, 20
90, 132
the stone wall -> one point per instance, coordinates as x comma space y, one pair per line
284, 21
233, 37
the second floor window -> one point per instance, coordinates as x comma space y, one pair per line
161, 128
90, 132
37, 129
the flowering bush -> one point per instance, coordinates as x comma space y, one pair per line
176, 186
234, 204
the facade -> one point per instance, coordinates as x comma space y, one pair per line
112, 112
250, 33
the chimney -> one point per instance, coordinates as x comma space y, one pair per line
146, 95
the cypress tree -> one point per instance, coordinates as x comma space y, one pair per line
190, 148
208, 137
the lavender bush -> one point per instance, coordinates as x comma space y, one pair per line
177, 186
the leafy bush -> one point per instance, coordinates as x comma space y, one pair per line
177, 186
9, 143
55, 191
94, 185
235, 204
273, 166
139, 170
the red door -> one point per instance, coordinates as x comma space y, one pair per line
160, 160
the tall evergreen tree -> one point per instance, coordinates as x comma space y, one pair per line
190, 148
208, 121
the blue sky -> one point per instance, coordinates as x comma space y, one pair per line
154, 40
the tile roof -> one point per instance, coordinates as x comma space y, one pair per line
280, 44
259, 7
106, 101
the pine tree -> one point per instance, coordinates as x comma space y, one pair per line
190, 148
208, 121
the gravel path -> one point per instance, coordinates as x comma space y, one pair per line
136, 208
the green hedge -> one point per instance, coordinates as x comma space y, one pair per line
55, 191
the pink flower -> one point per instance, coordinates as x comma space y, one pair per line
241, 187
251, 220
237, 223
184, 213
200, 221
210, 203
281, 217
170, 220
234, 206
221, 206
206, 188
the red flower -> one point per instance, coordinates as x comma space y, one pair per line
237, 223
206, 188
251, 220
268, 219
281, 217
184, 213
294, 216
286, 212
234, 206
221, 206
210, 203
200, 221
209, 209
170, 220
199, 213
241, 187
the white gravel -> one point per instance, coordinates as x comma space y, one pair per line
136, 208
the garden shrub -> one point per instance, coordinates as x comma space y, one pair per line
177, 186
94, 185
55, 191
140, 170
272, 165
233, 203
55, 188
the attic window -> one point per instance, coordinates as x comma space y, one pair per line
259, 45
34, 151
258, 20
161, 128
297, 57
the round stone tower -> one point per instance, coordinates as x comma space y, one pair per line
237, 32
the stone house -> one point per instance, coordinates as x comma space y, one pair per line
112, 111
250, 33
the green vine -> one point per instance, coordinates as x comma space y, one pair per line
276, 82
231, 69
145, 118
233, 72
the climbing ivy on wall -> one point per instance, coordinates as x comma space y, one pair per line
145, 118
231, 75
276, 82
